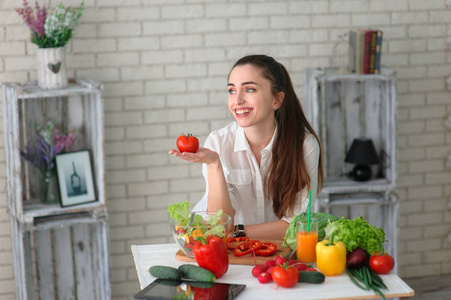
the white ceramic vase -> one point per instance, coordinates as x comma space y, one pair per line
52, 68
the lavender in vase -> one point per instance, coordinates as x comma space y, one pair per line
49, 143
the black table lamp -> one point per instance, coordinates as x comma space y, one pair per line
363, 154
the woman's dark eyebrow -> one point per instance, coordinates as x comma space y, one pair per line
244, 83
249, 82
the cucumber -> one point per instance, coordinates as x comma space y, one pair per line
197, 273
201, 284
169, 282
311, 277
165, 272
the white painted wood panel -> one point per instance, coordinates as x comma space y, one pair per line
64, 264
44, 261
83, 262
28, 265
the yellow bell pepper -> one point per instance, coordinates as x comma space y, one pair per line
197, 232
330, 256
186, 236
194, 233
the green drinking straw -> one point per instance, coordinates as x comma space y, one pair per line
308, 214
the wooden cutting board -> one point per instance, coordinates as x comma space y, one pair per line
246, 259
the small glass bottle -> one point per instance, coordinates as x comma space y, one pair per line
341, 55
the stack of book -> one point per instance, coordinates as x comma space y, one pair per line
366, 49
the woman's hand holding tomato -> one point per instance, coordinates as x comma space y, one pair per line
188, 146
381, 263
189, 150
203, 155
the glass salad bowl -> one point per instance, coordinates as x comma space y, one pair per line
204, 224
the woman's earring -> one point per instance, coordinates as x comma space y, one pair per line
273, 109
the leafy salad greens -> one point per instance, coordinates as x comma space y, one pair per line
357, 233
181, 213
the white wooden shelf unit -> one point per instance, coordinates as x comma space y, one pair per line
59, 252
342, 107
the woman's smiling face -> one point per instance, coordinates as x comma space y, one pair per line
251, 100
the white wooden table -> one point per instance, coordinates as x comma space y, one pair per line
336, 287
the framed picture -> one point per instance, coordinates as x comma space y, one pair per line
75, 178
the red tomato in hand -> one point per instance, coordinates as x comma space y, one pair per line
381, 263
286, 277
187, 143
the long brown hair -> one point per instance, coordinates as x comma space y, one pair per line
287, 173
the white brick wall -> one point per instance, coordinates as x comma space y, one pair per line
164, 65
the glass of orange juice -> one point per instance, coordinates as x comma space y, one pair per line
306, 239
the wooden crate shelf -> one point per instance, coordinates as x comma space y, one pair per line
59, 252
342, 107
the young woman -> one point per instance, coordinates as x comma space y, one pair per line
260, 168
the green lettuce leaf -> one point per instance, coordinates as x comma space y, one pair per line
358, 233
214, 219
218, 231
331, 227
180, 212
198, 221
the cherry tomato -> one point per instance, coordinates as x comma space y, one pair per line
381, 263
187, 143
285, 276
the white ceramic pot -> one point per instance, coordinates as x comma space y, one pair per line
52, 68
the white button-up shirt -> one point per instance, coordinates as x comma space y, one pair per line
245, 177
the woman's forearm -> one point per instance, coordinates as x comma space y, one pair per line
274, 230
218, 195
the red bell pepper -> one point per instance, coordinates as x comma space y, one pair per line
191, 243
212, 255
247, 247
235, 240
217, 291
267, 249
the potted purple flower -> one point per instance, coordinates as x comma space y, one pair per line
51, 31
49, 143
